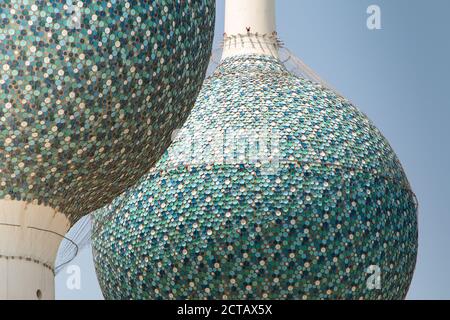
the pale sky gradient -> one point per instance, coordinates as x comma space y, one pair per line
399, 77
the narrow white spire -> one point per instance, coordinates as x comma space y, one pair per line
250, 28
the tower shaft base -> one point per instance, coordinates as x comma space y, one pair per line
25, 280
30, 236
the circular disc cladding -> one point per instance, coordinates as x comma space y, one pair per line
276, 188
91, 91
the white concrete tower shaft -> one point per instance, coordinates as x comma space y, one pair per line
30, 236
250, 28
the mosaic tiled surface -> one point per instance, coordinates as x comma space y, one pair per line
199, 226
90, 92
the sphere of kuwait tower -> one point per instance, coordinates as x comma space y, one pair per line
90, 93
275, 188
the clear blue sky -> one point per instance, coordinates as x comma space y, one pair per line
400, 77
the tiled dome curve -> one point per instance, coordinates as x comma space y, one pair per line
91, 91
329, 205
